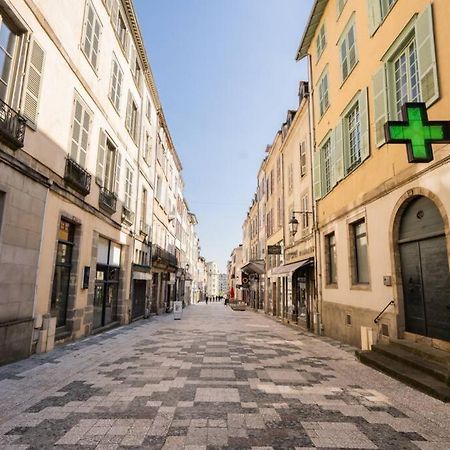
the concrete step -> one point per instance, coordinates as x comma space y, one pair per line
424, 351
407, 374
435, 369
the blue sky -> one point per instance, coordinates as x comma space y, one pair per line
226, 74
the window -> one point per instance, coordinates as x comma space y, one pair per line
108, 163
8, 44
121, 30
2, 207
406, 77
327, 168
409, 73
61, 276
148, 111
115, 89
144, 206
290, 180
278, 168
91, 35
147, 148
81, 124
348, 52
135, 68
128, 186
353, 137
323, 93
321, 41
360, 268
158, 193
386, 6
302, 159
131, 120
340, 6
305, 209
279, 213
330, 258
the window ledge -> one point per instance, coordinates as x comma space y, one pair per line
348, 76
361, 287
331, 286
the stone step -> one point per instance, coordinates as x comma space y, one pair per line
398, 353
407, 374
424, 351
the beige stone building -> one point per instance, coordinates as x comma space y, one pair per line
382, 221
79, 126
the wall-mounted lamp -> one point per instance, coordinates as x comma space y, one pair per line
293, 223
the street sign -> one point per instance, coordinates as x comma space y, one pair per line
274, 249
417, 132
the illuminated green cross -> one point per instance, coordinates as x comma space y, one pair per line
417, 132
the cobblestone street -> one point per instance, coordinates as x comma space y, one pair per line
215, 379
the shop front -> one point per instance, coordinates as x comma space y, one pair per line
253, 272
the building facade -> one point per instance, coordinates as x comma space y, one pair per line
212, 279
80, 132
382, 221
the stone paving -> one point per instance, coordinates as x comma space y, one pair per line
215, 379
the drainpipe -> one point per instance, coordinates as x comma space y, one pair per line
318, 326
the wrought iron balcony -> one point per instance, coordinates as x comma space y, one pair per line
77, 177
163, 256
127, 215
108, 200
12, 126
144, 228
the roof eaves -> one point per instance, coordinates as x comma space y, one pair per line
310, 30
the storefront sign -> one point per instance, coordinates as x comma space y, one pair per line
274, 249
417, 132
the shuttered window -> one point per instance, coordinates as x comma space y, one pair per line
323, 93
131, 119
108, 164
81, 125
321, 41
327, 166
128, 186
91, 35
409, 73
33, 82
340, 6
115, 90
302, 159
121, 30
8, 43
348, 52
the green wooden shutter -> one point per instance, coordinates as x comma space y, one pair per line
117, 172
426, 55
317, 178
33, 82
338, 153
375, 15
364, 120
380, 105
101, 155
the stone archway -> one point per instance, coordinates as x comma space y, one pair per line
422, 267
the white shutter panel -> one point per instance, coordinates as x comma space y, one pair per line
117, 172
364, 121
128, 114
375, 16
338, 154
33, 82
426, 55
317, 178
101, 155
380, 105
114, 12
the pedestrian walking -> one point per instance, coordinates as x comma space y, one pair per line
206, 299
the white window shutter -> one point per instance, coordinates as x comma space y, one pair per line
101, 155
380, 105
364, 121
117, 172
375, 15
114, 12
33, 82
128, 114
317, 175
426, 55
337, 152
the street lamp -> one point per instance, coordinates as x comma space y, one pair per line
293, 223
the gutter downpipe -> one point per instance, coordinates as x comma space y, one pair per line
318, 326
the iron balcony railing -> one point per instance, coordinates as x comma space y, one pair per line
12, 126
108, 200
127, 215
77, 177
163, 256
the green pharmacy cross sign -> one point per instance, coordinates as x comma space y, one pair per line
417, 132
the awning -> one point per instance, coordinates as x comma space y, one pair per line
290, 268
256, 266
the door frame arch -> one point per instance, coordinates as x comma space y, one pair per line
396, 217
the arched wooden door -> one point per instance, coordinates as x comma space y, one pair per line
425, 270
